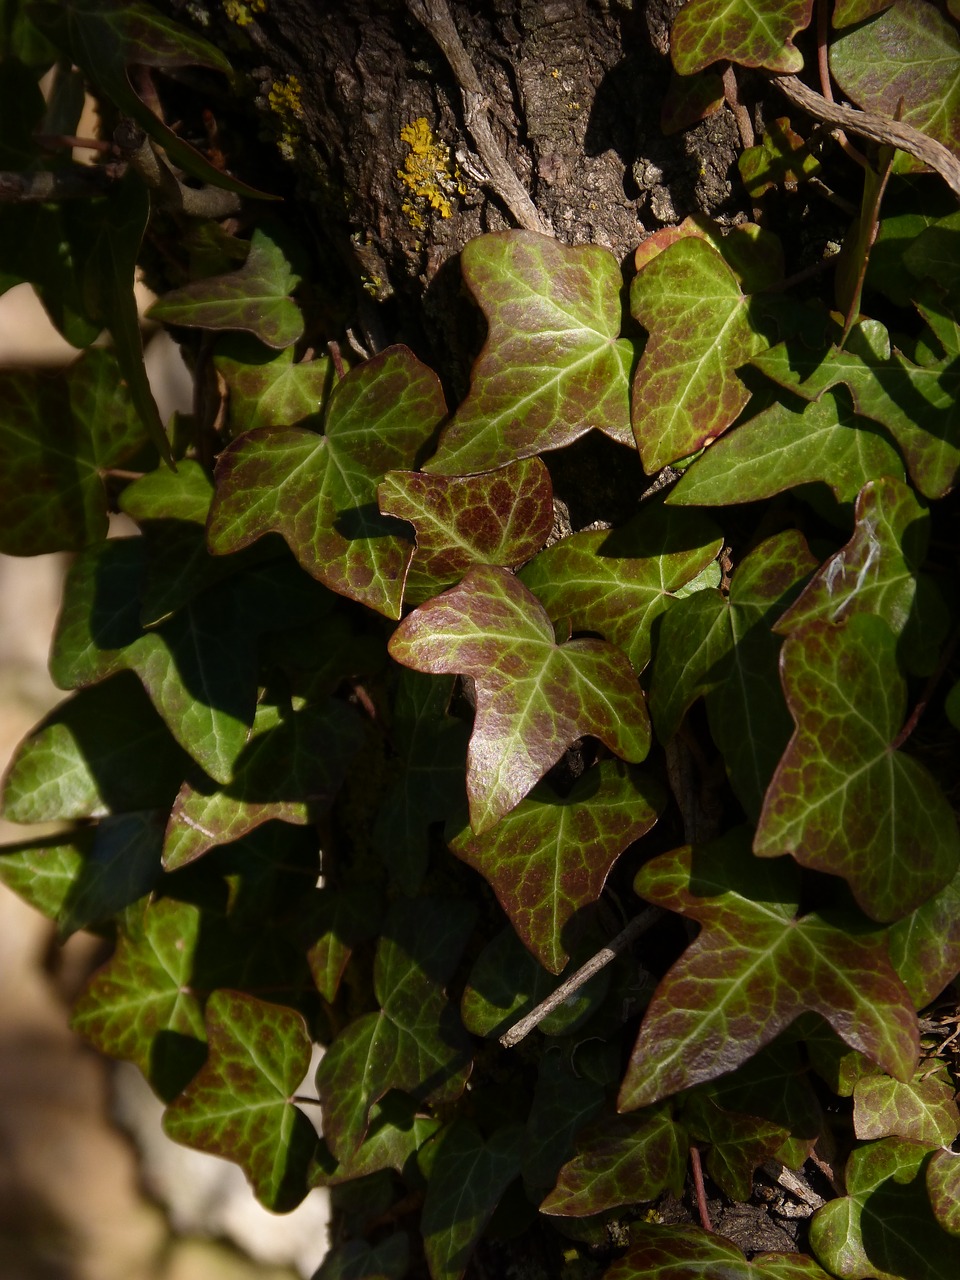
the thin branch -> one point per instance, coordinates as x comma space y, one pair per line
434, 15
80, 182
638, 925
878, 128
696, 1168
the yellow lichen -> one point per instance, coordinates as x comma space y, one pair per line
428, 174
286, 103
242, 13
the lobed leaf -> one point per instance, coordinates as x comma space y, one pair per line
943, 1188
550, 858
320, 492
737, 1142
535, 698
754, 33
925, 945
683, 1252
843, 799
122, 866
240, 1104
923, 1109
501, 517
753, 969
43, 872
269, 388
358, 1260
552, 366
564, 1100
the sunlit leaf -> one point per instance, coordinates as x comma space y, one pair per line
269, 388
925, 945
535, 698
43, 871
737, 1142
320, 492
550, 857
501, 517
726, 997
552, 366
782, 158
943, 1187
755, 33
240, 1105
468, 1177
844, 799
923, 1109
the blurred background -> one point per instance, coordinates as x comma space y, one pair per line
90, 1188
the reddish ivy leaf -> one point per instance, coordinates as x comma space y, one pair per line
254, 298
240, 1106
269, 388
877, 572
620, 1160
618, 583
925, 945
552, 366
753, 969
943, 1187
320, 492
722, 647
755, 256
923, 1109
550, 857
843, 799
358, 1260
686, 391
754, 33
684, 1253
501, 517
847, 12
738, 1142
535, 698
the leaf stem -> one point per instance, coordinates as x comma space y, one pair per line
696, 1168
638, 925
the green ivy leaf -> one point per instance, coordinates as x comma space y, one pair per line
721, 647
254, 298
291, 770
240, 1104
910, 52
847, 12
343, 918
618, 583
679, 1253
397, 1130
918, 405
122, 866
535, 698
199, 668
943, 1188
358, 1260
783, 158
58, 434
877, 572
686, 391
415, 1042
43, 872
468, 1177
140, 1006
104, 751
780, 449
552, 366
501, 517
566, 1098
269, 388
725, 997
620, 1160
550, 857
925, 945
738, 1142
754, 33
843, 799
320, 491
885, 1228
933, 254
34, 246
923, 1109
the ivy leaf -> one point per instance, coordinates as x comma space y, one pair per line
843, 799
398, 1129
550, 857
269, 388
320, 491
43, 872
140, 1005
620, 1160
923, 1109
846, 12
358, 1260
535, 698
468, 1177
738, 1142
686, 391
783, 158
877, 572
501, 517
104, 751
432, 750
925, 945
721, 647
943, 1188
291, 770
565, 1099
58, 434
911, 52
725, 997
240, 1104
199, 668
680, 1253
254, 298
552, 366
932, 254
415, 1042
754, 33
780, 449
885, 1228
123, 865
343, 918
917, 404
618, 583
